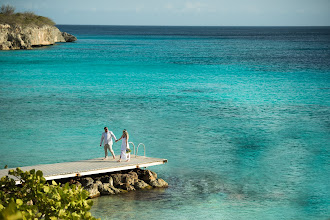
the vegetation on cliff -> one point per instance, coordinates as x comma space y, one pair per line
36, 199
8, 16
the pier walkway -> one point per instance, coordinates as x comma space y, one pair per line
89, 167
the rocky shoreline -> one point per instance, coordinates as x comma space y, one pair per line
16, 37
119, 182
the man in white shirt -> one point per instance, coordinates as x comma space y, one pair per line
107, 138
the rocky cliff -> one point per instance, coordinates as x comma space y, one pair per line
18, 37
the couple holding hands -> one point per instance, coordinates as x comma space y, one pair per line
107, 138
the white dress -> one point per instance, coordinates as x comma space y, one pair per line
124, 155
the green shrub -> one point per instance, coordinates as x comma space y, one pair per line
7, 9
35, 198
7, 16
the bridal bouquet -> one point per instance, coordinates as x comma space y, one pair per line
128, 150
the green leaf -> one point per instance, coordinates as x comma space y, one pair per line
90, 202
19, 202
39, 173
88, 215
46, 189
75, 215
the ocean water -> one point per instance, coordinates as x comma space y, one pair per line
241, 113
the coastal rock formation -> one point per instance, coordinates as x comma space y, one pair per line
159, 183
68, 37
93, 190
107, 189
19, 37
142, 185
120, 182
87, 181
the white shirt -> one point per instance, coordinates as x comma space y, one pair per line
107, 137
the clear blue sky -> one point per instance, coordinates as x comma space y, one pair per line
181, 12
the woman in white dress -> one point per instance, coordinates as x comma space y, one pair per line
124, 146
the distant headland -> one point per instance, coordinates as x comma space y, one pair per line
27, 30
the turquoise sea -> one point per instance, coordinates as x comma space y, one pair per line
241, 113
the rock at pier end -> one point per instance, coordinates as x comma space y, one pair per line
114, 183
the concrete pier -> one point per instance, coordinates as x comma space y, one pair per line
89, 167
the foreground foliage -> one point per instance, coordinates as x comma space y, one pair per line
36, 199
8, 16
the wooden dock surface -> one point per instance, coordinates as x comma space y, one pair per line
89, 167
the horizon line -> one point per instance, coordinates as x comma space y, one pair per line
146, 25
